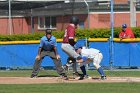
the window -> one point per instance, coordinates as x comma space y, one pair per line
81, 25
47, 22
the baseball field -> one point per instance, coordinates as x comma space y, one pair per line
19, 81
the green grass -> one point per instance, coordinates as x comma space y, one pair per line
27, 73
130, 87
24, 73
72, 88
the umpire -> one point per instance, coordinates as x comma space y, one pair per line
47, 47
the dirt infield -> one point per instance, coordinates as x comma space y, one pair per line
39, 80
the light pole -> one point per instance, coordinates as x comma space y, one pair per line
133, 13
9, 19
112, 35
88, 13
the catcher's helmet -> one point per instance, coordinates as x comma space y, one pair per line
48, 31
74, 20
124, 26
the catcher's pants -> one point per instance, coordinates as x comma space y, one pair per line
56, 61
70, 51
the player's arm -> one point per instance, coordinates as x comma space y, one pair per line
40, 47
39, 50
71, 34
71, 41
81, 59
39, 53
120, 36
56, 53
55, 49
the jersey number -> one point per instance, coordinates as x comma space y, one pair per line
65, 35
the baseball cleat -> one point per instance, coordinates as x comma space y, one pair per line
33, 76
81, 78
85, 77
103, 77
77, 74
64, 76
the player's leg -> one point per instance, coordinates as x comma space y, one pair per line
58, 64
69, 62
75, 72
96, 63
83, 69
69, 50
36, 66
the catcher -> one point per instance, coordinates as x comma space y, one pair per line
90, 55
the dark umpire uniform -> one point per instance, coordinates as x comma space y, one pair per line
48, 48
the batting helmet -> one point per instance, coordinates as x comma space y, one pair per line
76, 46
74, 20
124, 26
48, 31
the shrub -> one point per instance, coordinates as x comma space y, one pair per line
80, 33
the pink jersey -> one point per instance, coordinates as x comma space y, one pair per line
69, 34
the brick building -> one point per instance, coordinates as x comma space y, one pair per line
29, 16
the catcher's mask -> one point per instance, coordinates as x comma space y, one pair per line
48, 31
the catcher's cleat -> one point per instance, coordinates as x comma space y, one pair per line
33, 76
64, 76
103, 77
81, 77
76, 74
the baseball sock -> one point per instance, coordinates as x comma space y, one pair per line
83, 69
100, 70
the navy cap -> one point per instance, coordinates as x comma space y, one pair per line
124, 26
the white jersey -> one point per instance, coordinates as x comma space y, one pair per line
90, 53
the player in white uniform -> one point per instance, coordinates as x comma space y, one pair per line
90, 55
